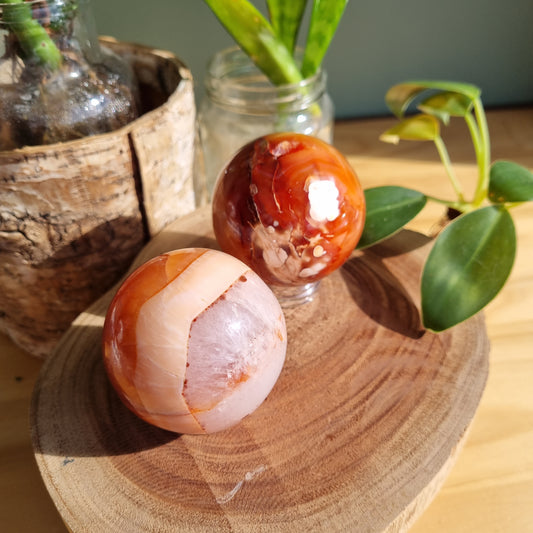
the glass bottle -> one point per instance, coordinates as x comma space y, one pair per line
56, 82
241, 104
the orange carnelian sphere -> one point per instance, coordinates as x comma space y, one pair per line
194, 341
290, 206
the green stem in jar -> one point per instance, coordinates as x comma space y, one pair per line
255, 35
286, 18
325, 18
32, 37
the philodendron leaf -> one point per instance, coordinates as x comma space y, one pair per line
399, 96
286, 18
416, 128
325, 18
468, 265
254, 34
388, 209
510, 182
446, 104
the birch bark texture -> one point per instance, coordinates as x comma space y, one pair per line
74, 215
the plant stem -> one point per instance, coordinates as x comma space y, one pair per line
474, 133
464, 207
445, 158
511, 205
256, 37
32, 37
482, 153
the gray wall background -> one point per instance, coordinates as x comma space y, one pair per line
379, 43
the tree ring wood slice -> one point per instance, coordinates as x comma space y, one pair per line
358, 434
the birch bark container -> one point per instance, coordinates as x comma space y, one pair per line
73, 215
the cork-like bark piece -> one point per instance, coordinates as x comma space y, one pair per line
74, 215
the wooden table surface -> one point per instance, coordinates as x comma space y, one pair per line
490, 488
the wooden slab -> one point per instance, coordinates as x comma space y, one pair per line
358, 434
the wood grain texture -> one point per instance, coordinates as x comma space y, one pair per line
490, 487
358, 434
74, 215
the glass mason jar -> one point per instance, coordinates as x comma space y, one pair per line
241, 104
56, 82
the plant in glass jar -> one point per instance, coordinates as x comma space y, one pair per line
267, 83
56, 82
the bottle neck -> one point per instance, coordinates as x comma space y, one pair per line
234, 82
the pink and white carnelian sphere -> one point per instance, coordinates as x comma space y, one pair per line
290, 206
194, 341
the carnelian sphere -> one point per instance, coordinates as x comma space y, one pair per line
194, 341
290, 206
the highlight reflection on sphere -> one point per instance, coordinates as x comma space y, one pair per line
290, 206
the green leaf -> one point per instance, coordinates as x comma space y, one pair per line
325, 18
286, 18
388, 209
256, 37
416, 128
399, 96
467, 266
446, 104
510, 182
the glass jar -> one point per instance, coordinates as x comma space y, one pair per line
56, 82
241, 104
